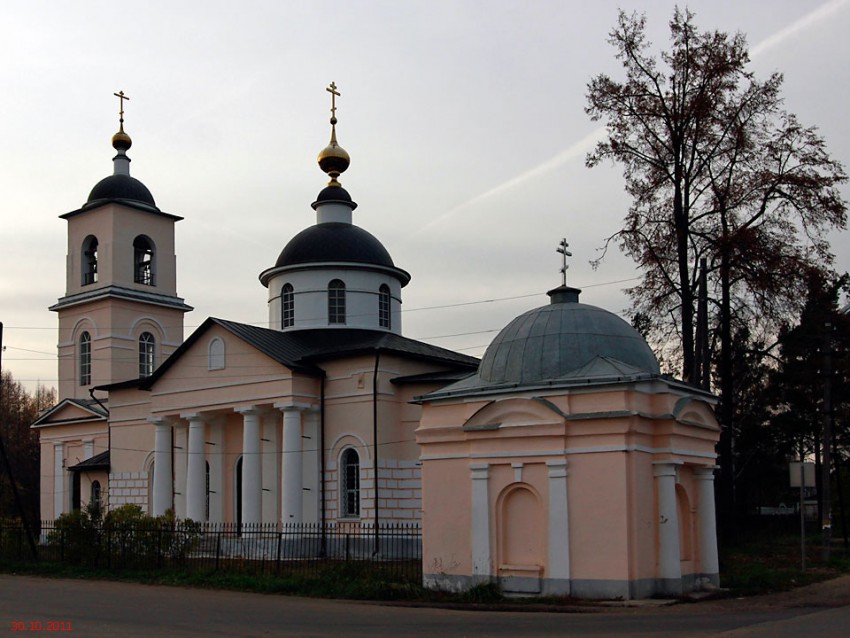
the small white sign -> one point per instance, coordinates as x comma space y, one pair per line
808, 473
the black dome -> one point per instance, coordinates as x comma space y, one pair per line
331, 242
334, 194
120, 187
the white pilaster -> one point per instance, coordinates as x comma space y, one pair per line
559, 526
271, 477
162, 468
481, 560
291, 508
669, 565
58, 479
310, 470
251, 466
88, 448
216, 461
706, 520
181, 466
196, 472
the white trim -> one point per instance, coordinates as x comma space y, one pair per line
558, 452
294, 405
340, 486
139, 320
76, 330
336, 441
258, 379
74, 436
480, 523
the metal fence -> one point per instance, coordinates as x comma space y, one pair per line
306, 549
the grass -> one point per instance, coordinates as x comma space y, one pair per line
759, 563
763, 563
354, 581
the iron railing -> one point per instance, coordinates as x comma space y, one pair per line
306, 549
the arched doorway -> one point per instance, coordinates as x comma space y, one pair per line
521, 542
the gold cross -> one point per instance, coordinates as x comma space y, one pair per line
120, 95
334, 94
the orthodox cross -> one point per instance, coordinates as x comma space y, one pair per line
562, 248
120, 95
334, 95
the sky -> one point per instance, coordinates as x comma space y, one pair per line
464, 120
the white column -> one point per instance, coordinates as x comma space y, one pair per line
559, 529
88, 448
481, 562
706, 520
181, 461
669, 555
251, 466
216, 460
291, 508
58, 479
196, 472
310, 470
271, 478
162, 469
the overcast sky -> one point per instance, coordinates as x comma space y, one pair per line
464, 121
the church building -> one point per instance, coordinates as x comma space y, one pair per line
561, 463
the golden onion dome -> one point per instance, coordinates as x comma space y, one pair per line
333, 159
121, 141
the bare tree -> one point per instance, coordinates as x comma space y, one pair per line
18, 410
717, 171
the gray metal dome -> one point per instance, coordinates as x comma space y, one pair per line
552, 341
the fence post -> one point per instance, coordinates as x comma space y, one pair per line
279, 548
217, 546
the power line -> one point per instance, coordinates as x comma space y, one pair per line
403, 310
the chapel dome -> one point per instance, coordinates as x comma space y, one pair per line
334, 195
552, 341
334, 242
120, 187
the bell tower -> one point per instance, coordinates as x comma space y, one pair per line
120, 316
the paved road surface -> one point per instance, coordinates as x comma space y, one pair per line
96, 608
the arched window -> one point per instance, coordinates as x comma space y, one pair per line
95, 494
287, 306
384, 315
85, 359
143, 261
215, 352
336, 301
349, 471
89, 261
146, 354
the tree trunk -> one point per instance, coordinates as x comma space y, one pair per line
680, 220
727, 402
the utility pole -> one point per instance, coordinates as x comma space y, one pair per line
826, 464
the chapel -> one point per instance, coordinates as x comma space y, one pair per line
562, 463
